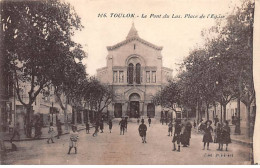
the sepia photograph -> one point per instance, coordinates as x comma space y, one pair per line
95, 82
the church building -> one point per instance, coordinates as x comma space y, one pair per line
135, 72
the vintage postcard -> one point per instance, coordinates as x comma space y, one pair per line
109, 82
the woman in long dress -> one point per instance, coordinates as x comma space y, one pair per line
218, 135
73, 141
225, 135
207, 137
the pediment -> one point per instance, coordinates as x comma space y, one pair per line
134, 39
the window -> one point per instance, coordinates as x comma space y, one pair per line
153, 76
138, 74
134, 46
147, 76
115, 76
121, 76
130, 73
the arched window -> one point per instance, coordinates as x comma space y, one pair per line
138, 73
130, 73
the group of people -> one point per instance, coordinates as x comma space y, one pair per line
99, 125
182, 133
222, 134
123, 125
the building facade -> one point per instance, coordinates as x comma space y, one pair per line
135, 72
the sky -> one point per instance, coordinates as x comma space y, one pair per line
177, 35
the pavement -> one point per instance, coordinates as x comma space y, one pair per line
113, 148
242, 139
7, 135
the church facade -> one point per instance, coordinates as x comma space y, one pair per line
135, 72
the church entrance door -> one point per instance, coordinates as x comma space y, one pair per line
151, 110
134, 109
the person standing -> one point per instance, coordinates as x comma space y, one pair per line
110, 124
207, 138
101, 125
96, 129
186, 134
225, 135
51, 133
73, 141
58, 124
218, 135
177, 135
170, 125
194, 124
122, 126
149, 121
142, 131
87, 128
126, 124
138, 121
216, 120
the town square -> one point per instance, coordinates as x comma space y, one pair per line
82, 86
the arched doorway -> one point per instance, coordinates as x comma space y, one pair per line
150, 110
118, 110
134, 99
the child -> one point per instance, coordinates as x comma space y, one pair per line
225, 135
96, 129
149, 121
218, 135
177, 135
194, 124
51, 133
207, 138
73, 142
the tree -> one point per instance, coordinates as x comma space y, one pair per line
169, 96
239, 32
98, 95
37, 37
235, 47
68, 83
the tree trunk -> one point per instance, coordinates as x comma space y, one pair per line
207, 111
197, 113
224, 112
237, 129
75, 117
248, 120
28, 122
221, 113
215, 111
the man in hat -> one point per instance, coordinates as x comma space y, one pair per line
186, 133
142, 131
177, 135
122, 126
207, 138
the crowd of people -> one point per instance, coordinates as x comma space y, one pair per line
220, 130
179, 129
